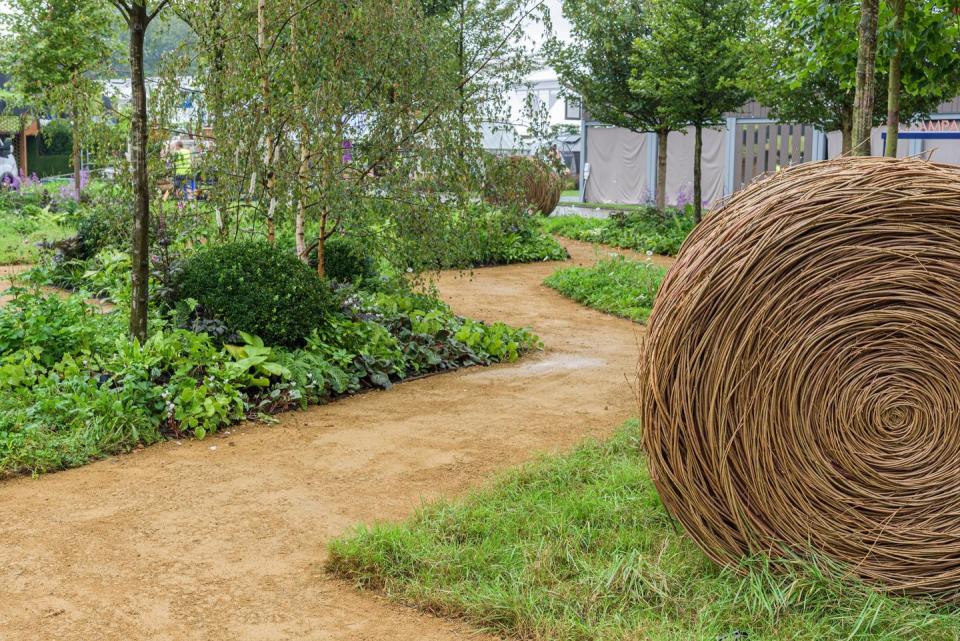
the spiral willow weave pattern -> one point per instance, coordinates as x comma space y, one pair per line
800, 383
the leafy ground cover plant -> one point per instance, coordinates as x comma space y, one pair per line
579, 547
507, 237
74, 388
615, 285
643, 229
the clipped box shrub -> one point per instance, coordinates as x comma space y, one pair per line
256, 288
345, 260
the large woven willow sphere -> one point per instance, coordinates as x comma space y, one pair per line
800, 383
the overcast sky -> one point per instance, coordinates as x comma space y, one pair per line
560, 26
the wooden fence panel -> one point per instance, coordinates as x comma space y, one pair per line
763, 148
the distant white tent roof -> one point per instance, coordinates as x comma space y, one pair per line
503, 138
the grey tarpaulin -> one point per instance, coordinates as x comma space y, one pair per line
618, 166
680, 165
621, 171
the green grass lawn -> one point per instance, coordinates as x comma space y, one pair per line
19, 235
570, 193
615, 285
579, 547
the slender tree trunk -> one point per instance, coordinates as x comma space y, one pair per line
75, 142
301, 220
697, 174
866, 77
662, 136
894, 88
215, 80
301, 217
141, 192
215, 87
461, 88
269, 152
321, 243
77, 162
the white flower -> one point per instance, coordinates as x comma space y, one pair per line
649, 253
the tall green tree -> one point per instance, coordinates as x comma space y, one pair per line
600, 67
702, 40
921, 39
137, 15
803, 61
55, 50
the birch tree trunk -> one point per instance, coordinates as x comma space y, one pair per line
77, 162
866, 77
301, 216
75, 141
269, 154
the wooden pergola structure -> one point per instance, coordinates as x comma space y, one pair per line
19, 128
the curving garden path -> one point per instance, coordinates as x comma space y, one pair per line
224, 539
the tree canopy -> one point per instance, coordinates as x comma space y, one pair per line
599, 66
691, 60
804, 60
54, 53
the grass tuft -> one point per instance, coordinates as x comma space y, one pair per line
615, 285
579, 546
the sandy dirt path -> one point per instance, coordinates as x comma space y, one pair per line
7, 275
8, 279
224, 539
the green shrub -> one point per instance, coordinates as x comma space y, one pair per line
256, 288
99, 228
503, 237
345, 260
49, 328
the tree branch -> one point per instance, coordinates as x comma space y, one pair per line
160, 7
124, 9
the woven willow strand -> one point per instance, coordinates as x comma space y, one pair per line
800, 381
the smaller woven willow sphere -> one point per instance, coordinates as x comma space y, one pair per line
800, 382
525, 182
